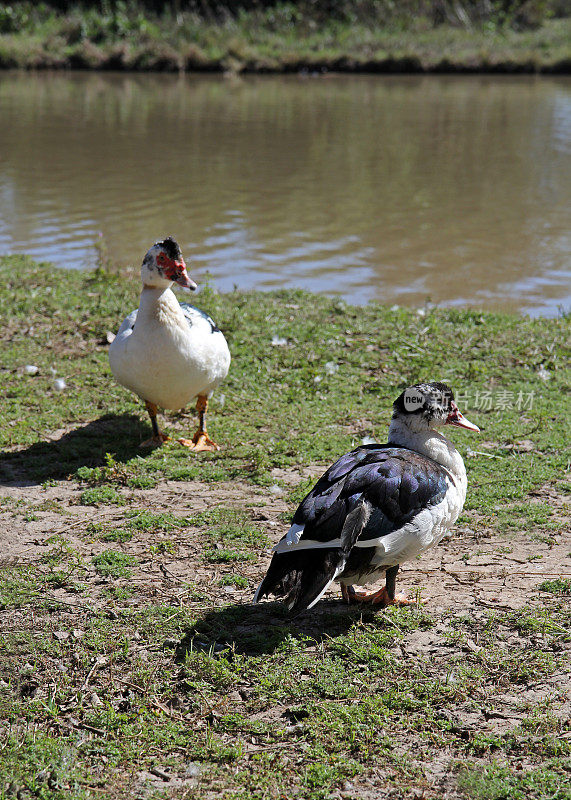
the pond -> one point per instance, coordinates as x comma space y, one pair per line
396, 189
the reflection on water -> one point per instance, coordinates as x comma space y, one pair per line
387, 188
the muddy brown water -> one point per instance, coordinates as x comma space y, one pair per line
394, 189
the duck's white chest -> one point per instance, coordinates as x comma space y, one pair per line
165, 358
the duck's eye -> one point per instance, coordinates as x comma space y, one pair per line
161, 259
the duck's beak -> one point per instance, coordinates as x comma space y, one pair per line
177, 273
458, 419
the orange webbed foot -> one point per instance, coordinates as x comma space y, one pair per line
155, 441
201, 441
401, 599
379, 598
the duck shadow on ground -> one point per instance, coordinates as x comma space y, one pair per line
84, 446
260, 629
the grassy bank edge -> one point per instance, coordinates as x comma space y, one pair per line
349, 49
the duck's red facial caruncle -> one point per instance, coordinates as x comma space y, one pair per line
458, 419
175, 270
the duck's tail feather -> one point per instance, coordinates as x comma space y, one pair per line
304, 575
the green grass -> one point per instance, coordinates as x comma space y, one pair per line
230, 526
101, 495
112, 564
496, 782
104, 680
377, 37
256, 426
559, 586
116, 473
110, 534
146, 521
234, 580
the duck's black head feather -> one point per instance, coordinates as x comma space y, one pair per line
431, 400
171, 248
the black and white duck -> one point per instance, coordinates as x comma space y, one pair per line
168, 352
376, 507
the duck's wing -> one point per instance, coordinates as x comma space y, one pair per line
376, 486
128, 323
194, 316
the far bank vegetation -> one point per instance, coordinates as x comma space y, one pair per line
310, 35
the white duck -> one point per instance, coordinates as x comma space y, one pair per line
169, 352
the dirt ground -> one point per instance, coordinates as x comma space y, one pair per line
472, 568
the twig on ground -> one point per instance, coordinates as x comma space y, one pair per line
495, 606
70, 605
391, 622
74, 724
75, 524
100, 661
160, 774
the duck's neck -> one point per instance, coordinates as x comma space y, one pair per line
156, 302
429, 443
159, 305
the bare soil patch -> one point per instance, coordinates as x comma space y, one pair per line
474, 567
